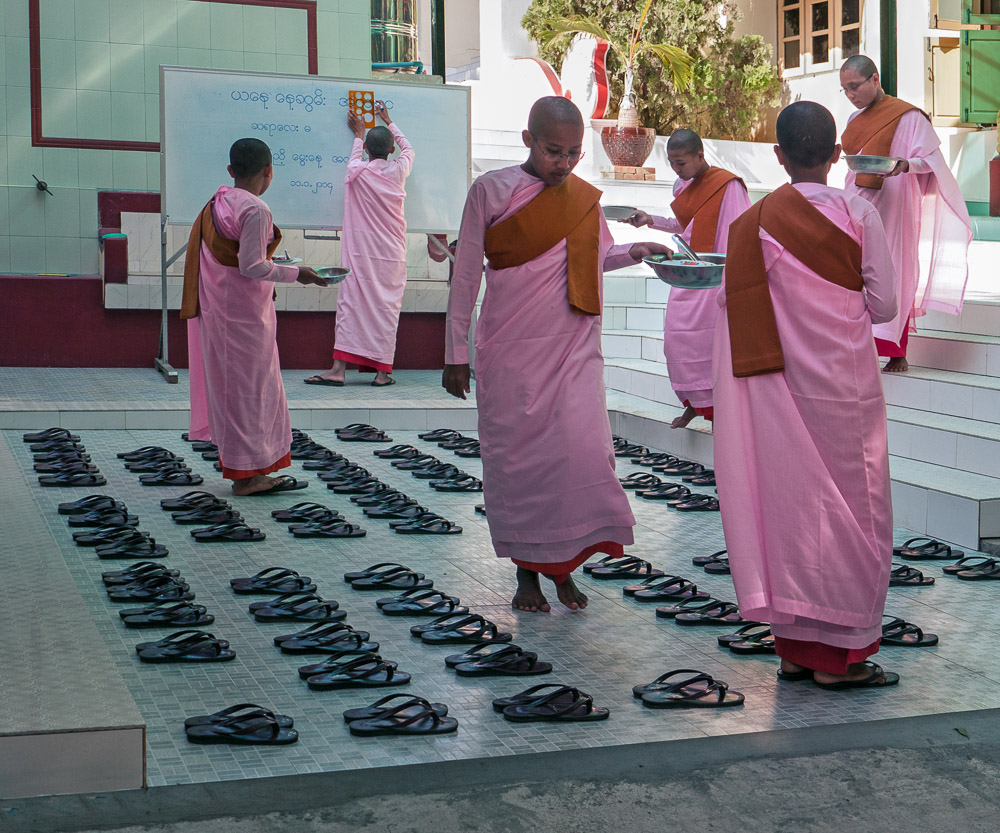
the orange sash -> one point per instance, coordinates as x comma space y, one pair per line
569, 212
812, 238
223, 249
871, 132
702, 201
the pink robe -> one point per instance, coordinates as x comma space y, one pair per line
801, 457
926, 223
548, 462
374, 249
245, 397
689, 322
198, 427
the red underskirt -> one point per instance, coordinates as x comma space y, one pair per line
708, 413
364, 365
890, 350
560, 570
819, 657
240, 474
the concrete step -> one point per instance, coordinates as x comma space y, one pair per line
953, 442
961, 352
958, 506
979, 317
633, 344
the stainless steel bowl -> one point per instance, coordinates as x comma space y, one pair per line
871, 164
335, 273
680, 272
618, 212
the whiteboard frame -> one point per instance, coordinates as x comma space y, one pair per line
164, 218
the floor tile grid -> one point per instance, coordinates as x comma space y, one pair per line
612, 646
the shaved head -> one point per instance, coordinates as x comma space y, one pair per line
861, 64
552, 111
685, 141
807, 134
379, 142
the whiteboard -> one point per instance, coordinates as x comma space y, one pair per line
303, 118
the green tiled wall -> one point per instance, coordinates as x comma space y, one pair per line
100, 80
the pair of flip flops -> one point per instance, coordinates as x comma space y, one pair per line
663, 588
108, 516
400, 714
50, 435
234, 532
752, 638
90, 503
333, 528
304, 606
550, 703
640, 480
458, 628
189, 501
136, 572
716, 564
387, 575
104, 535
621, 567
182, 614
927, 549
421, 602
67, 479
331, 638
305, 512
357, 670
903, 575
272, 580
687, 688
361, 433
186, 646
160, 587
460, 483
134, 544
697, 503
397, 452
213, 515
242, 725
182, 476
974, 568
623, 448
903, 634
704, 612
282, 483
429, 523
507, 661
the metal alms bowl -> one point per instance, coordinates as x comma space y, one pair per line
335, 273
680, 272
617, 212
861, 164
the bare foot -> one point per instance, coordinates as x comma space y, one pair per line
897, 364
332, 376
249, 485
683, 420
571, 595
855, 671
528, 596
382, 379
791, 667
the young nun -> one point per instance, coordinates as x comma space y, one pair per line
920, 204
552, 495
229, 282
374, 249
706, 200
801, 453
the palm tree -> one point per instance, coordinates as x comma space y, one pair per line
676, 61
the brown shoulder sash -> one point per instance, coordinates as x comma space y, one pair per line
223, 249
871, 132
812, 239
569, 212
701, 202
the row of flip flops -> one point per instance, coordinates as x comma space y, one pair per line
62, 460
147, 582
442, 477
158, 466
675, 495
225, 524
314, 520
104, 523
452, 440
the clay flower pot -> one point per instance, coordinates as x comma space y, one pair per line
628, 145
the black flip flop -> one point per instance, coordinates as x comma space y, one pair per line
367, 671
238, 533
931, 550
337, 643
906, 635
687, 606
257, 728
477, 629
283, 483
274, 580
431, 526
188, 646
161, 615
669, 589
284, 721
629, 567
90, 503
383, 705
319, 380
72, 479
189, 501
565, 704
49, 435
698, 691
337, 528
877, 679
903, 575
698, 503
721, 613
405, 719
702, 560
478, 652
509, 662
969, 563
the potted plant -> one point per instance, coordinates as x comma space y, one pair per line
626, 143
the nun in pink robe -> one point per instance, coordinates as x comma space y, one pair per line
245, 397
801, 456
551, 491
689, 322
374, 249
927, 224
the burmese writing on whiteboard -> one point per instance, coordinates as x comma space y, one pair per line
307, 101
315, 187
272, 128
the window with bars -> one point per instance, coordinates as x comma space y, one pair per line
818, 35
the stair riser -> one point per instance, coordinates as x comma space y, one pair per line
945, 448
632, 347
942, 397
959, 356
947, 517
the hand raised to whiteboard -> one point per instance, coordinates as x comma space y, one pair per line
382, 112
309, 276
357, 125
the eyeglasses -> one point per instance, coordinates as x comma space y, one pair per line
853, 88
554, 156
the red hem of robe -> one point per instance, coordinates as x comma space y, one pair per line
889, 350
817, 656
708, 413
365, 365
241, 474
560, 570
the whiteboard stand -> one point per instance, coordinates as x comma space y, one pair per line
162, 362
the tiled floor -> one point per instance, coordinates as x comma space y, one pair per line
613, 645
